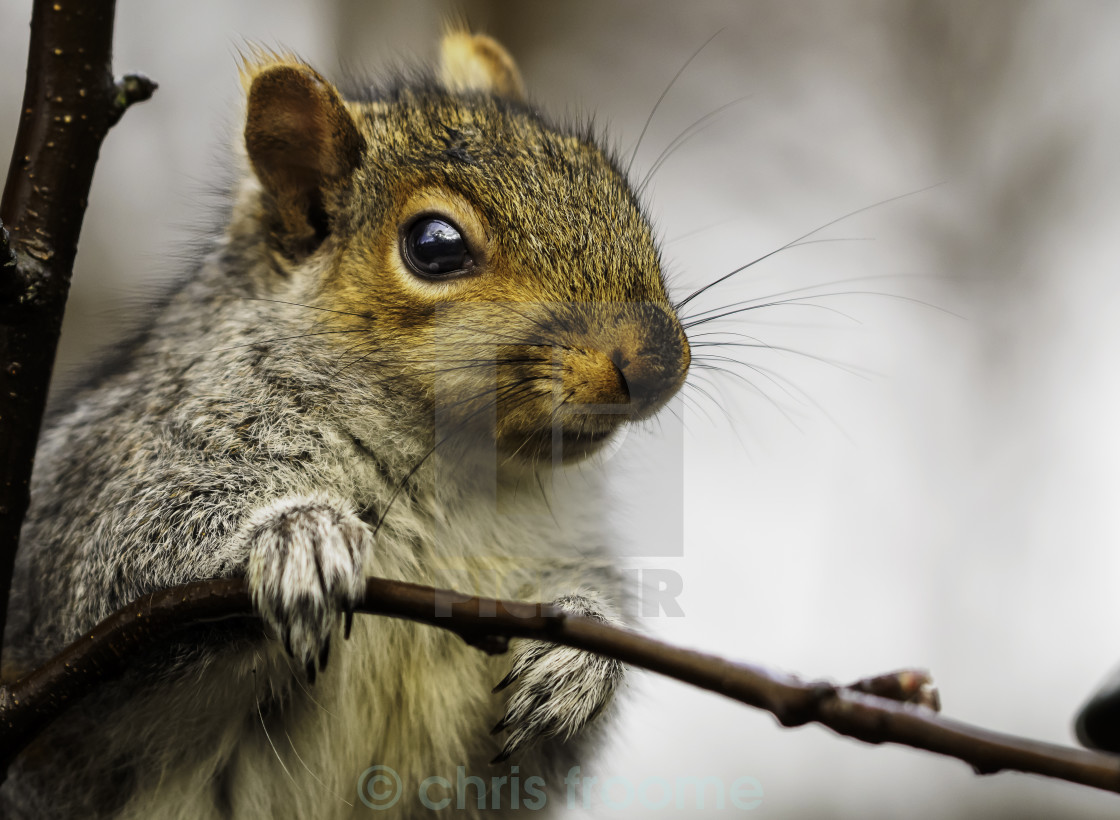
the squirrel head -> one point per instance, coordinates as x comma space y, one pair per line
470, 259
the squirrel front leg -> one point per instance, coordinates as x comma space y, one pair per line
556, 691
306, 555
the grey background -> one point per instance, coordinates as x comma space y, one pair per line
945, 496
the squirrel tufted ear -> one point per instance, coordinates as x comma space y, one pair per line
475, 62
302, 144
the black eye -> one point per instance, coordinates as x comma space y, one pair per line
433, 247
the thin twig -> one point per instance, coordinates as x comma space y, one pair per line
884, 709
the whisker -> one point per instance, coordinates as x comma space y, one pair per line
275, 751
369, 316
792, 385
415, 468
326, 788
802, 301
521, 446
804, 288
845, 366
688, 133
798, 302
531, 319
285, 339
764, 372
692, 385
697, 231
661, 99
777, 406
800, 239
787, 247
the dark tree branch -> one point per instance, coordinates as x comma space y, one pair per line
884, 709
70, 101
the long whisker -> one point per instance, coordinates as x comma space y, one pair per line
777, 406
803, 289
661, 99
846, 367
692, 385
309, 307
691, 131
710, 363
697, 231
522, 445
318, 779
803, 301
275, 751
763, 258
779, 379
800, 239
796, 302
735, 429
285, 339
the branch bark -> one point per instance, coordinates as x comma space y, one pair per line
70, 101
884, 709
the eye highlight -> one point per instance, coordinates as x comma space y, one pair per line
434, 248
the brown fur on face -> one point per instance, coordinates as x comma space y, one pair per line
559, 329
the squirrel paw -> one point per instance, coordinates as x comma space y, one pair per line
559, 690
305, 567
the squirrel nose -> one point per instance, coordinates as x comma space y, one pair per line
652, 365
649, 380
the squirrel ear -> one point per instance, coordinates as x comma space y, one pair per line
475, 62
302, 144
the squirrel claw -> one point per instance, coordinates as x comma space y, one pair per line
502, 757
505, 682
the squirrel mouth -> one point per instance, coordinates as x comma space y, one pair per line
582, 436
580, 443
561, 444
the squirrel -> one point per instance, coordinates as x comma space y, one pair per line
430, 304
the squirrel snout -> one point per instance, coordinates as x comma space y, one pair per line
653, 356
605, 364
641, 360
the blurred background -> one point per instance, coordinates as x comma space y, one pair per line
919, 467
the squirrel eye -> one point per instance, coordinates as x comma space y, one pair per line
433, 247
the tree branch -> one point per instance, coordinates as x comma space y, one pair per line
70, 101
884, 709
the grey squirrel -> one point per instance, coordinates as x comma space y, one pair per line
427, 301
